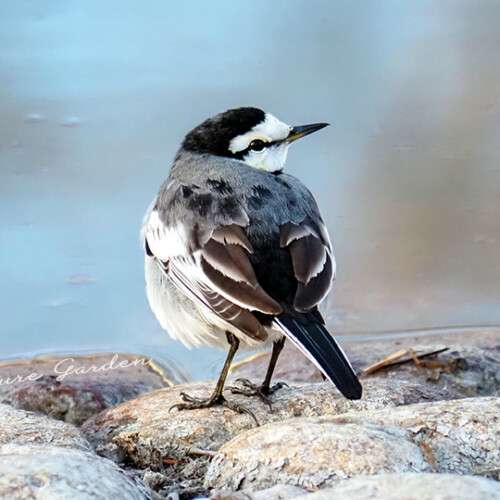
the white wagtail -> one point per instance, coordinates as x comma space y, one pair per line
237, 251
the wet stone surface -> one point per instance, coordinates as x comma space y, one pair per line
410, 487
458, 436
440, 418
74, 388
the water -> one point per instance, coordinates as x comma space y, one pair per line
96, 96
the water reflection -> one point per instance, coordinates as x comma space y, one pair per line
95, 98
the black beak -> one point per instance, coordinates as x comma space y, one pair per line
303, 130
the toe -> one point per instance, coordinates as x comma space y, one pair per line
188, 398
240, 409
242, 380
278, 386
177, 406
247, 383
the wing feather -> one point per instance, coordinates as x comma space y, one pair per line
242, 293
308, 258
241, 318
207, 255
208, 259
230, 260
312, 261
232, 234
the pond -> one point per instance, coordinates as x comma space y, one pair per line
95, 98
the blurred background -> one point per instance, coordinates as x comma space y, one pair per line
95, 98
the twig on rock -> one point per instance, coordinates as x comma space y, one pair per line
375, 367
394, 359
428, 364
201, 453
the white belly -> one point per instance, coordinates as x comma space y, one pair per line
192, 324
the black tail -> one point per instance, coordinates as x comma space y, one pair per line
313, 339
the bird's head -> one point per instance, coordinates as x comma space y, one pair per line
251, 135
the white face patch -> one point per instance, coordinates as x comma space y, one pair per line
270, 158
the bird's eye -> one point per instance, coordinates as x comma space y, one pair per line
257, 145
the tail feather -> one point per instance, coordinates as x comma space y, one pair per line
313, 339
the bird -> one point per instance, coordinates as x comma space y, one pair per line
238, 255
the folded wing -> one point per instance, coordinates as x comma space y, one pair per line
208, 259
312, 260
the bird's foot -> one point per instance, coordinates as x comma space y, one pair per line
261, 391
193, 403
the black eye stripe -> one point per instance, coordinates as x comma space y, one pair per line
241, 154
265, 145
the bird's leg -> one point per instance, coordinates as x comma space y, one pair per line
264, 390
216, 398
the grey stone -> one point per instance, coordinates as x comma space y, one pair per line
143, 431
467, 370
45, 472
312, 453
74, 388
177, 446
410, 486
459, 436
22, 427
277, 492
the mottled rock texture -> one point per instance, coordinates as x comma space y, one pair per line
277, 492
466, 370
45, 472
458, 436
312, 453
412, 420
21, 427
74, 388
143, 431
43, 458
410, 487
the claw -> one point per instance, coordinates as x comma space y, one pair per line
192, 403
250, 393
190, 399
240, 409
243, 381
277, 386
260, 391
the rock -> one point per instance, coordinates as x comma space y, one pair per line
278, 492
410, 487
75, 388
178, 476
48, 459
312, 453
464, 371
49, 472
467, 370
176, 447
459, 436
143, 431
21, 427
